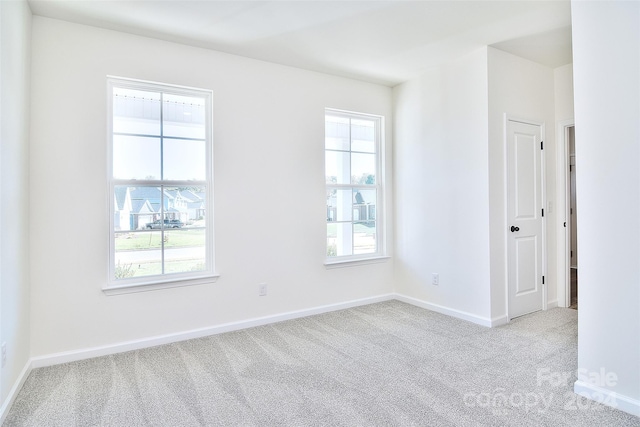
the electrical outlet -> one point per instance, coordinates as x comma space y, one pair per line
4, 354
435, 279
262, 289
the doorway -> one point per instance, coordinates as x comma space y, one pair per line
567, 231
573, 221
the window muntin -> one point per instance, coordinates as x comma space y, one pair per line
354, 191
161, 184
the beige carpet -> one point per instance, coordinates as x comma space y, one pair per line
386, 364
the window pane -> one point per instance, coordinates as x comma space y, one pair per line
363, 169
136, 111
339, 239
184, 160
183, 116
336, 131
138, 254
339, 204
364, 237
337, 167
364, 205
136, 157
363, 136
184, 250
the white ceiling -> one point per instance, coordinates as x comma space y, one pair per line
385, 42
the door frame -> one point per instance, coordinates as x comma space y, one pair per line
1, 282
563, 191
511, 118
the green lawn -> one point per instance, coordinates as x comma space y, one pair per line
364, 235
151, 239
332, 229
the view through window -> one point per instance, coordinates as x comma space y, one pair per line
161, 182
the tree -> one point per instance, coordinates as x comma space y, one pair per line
365, 178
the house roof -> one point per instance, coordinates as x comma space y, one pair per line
141, 207
173, 193
148, 193
121, 194
191, 196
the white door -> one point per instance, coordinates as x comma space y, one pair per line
524, 218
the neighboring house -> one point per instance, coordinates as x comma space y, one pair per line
122, 214
196, 210
154, 196
179, 202
141, 213
157, 202
194, 203
147, 204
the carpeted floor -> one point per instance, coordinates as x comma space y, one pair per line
386, 364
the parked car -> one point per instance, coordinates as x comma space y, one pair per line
168, 223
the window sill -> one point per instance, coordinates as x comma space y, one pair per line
129, 288
354, 262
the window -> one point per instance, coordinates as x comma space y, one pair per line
161, 184
354, 186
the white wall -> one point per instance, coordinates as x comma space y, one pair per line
441, 187
269, 188
606, 53
450, 178
563, 92
15, 39
523, 89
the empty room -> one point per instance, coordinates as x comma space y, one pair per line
319, 213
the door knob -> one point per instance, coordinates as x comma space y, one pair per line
514, 228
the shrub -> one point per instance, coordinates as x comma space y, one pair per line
198, 267
124, 271
332, 250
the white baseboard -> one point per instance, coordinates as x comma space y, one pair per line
82, 354
552, 304
13, 393
452, 312
75, 355
499, 321
607, 397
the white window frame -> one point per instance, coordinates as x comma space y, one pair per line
165, 280
381, 252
